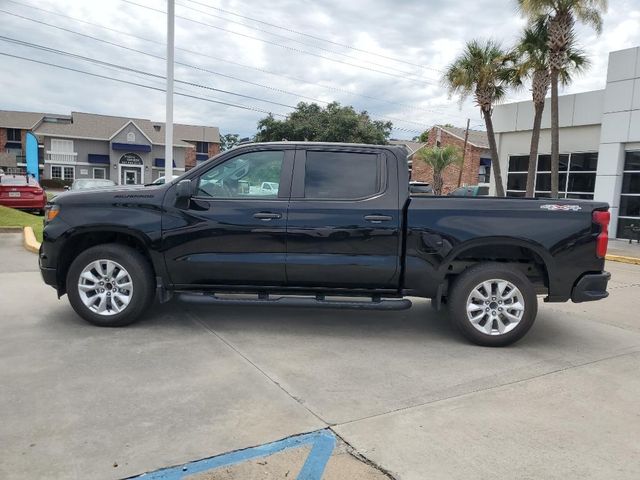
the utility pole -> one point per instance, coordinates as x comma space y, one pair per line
168, 132
464, 151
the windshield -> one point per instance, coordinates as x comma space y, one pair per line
15, 180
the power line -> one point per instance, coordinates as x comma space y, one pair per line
289, 39
150, 87
433, 108
286, 47
315, 37
110, 65
188, 66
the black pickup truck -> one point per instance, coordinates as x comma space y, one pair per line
331, 225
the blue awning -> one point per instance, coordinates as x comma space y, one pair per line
13, 145
159, 162
96, 158
485, 162
131, 147
200, 157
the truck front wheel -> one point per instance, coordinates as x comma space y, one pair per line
493, 304
110, 285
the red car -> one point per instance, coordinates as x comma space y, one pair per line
22, 192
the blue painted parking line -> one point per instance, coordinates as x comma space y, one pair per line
322, 444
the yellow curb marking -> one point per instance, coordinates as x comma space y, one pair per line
623, 259
30, 242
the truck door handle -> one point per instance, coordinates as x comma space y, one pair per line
267, 216
378, 218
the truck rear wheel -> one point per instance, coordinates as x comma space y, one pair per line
110, 285
493, 304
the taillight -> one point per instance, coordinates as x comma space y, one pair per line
602, 218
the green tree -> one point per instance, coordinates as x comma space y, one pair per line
439, 158
423, 137
531, 61
333, 123
228, 141
481, 70
562, 15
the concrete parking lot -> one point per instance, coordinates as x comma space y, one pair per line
401, 388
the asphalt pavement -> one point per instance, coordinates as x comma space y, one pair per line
401, 389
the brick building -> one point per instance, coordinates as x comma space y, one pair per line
86, 145
477, 163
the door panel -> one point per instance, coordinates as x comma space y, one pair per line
233, 231
342, 242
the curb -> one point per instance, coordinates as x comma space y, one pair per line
29, 241
623, 259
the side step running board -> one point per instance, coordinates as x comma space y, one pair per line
375, 303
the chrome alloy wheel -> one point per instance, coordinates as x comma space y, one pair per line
495, 307
105, 287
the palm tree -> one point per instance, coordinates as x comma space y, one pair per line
531, 58
481, 70
439, 158
562, 15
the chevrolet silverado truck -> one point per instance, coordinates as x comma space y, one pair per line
339, 229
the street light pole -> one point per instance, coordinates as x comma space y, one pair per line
168, 134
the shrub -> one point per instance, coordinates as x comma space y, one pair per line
55, 183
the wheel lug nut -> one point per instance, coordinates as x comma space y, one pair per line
499, 309
486, 310
493, 298
493, 312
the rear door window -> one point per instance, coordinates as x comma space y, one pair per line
342, 175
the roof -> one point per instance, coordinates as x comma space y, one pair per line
22, 120
477, 138
103, 127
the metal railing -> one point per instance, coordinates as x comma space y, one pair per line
60, 157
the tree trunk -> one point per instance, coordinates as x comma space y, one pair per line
555, 134
533, 155
438, 183
495, 161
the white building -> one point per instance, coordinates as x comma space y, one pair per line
599, 143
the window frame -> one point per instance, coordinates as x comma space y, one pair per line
298, 186
284, 190
624, 172
61, 142
13, 131
63, 169
104, 173
563, 191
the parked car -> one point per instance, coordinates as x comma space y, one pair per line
420, 187
470, 191
90, 183
342, 224
22, 192
161, 180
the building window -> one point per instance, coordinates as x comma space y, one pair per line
61, 146
484, 171
577, 177
63, 173
131, 137
99, 173
202, 147
14, 135
629, 217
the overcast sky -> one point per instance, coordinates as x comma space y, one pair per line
392, 69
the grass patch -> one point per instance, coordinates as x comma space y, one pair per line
10, 217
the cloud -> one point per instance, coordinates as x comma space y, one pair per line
423, 36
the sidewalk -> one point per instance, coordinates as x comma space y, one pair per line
622, 248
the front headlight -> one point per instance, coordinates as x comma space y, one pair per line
51, 212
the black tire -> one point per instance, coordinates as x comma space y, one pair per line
141, 275
462, 288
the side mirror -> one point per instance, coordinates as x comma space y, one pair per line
184, 190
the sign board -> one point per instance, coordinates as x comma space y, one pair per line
130, 159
